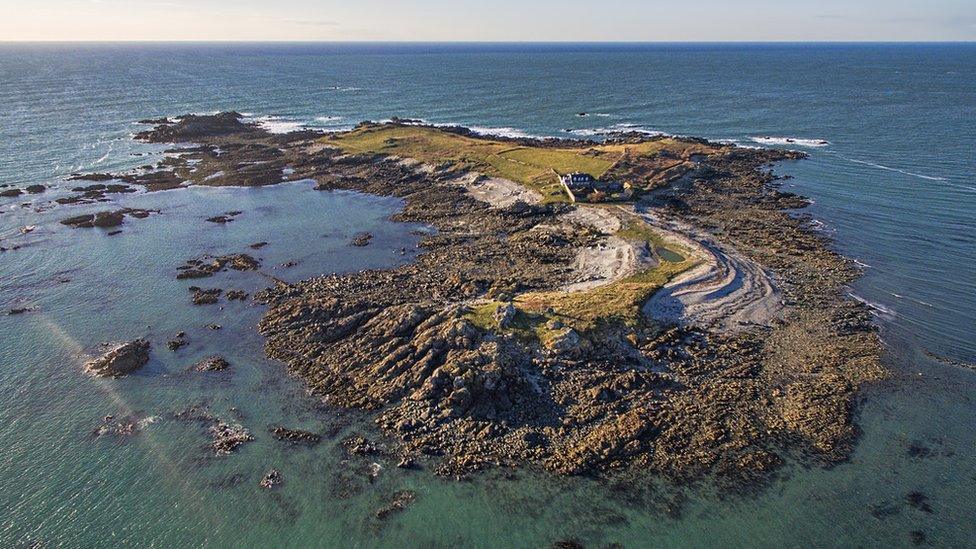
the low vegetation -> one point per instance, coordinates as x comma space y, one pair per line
532, 166
617, 303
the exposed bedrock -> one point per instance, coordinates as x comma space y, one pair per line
120, 360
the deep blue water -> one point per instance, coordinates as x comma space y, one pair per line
895, 187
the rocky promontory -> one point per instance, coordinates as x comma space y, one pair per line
519, 335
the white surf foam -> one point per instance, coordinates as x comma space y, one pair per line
500, 132
877, 308
791, 141
277, 124
617, 128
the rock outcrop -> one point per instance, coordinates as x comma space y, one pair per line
121, 359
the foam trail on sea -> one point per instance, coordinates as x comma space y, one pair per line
877, 308
890, 169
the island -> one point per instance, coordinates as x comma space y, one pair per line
631, 304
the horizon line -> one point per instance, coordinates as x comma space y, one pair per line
499, 42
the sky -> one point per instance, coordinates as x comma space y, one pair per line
489, 20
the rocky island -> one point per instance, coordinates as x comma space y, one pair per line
694, 325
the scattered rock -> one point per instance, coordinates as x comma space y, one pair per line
258, 245
10, 193
19, 311
213, 327
120, 360
36, 189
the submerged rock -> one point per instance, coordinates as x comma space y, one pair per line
397, 503
121, 360
105, 219
205, 296
294, 436
124, 426
201, 268
362, 239
177, 342
272, 479
213, 363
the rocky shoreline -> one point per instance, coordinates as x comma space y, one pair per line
523, 384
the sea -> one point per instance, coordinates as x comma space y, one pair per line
891, 134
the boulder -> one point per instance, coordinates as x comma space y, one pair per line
504, 315
120, 360
565, 342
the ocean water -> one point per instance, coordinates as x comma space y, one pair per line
892, 172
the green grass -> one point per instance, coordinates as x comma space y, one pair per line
526, 325
636, 230
619, 302
533, 167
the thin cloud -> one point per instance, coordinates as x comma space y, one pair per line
312, 22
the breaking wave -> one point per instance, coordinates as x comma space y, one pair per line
277, 124
500, 132
797, 141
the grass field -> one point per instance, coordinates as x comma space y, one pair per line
533, 167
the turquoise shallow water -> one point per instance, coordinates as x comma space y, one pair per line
895, 188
